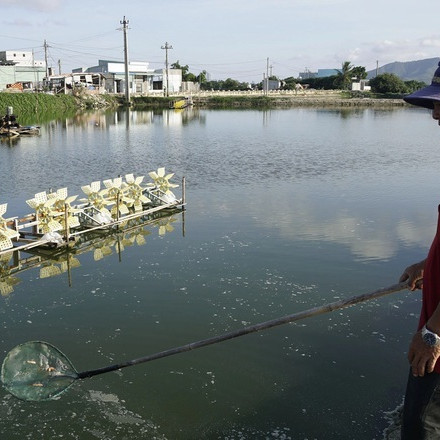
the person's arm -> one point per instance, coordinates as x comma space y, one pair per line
412, 274
421, 356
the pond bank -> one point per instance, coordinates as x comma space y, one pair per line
25, 103
309, 98
290, 101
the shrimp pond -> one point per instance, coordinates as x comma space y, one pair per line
286, 210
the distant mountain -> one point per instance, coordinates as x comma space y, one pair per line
421, 70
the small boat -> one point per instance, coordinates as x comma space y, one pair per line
181, 103
9, 126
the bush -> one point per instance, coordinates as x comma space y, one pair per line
387, 83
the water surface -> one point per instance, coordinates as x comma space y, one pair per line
287, 210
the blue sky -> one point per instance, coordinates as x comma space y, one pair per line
227, 38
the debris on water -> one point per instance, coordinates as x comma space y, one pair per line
394, 419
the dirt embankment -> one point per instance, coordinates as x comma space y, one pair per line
306, 99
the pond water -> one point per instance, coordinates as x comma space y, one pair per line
286, 210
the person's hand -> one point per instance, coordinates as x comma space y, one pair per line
412, 274
421, 356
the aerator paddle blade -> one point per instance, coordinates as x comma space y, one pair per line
37, 371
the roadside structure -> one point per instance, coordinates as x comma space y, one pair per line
20, 71
142, 79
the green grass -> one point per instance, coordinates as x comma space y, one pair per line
140, 102
31, 108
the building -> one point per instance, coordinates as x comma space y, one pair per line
18, 58
93, 83
30, 78
171, 79
271, 84
307, 74
20, 71
142, 79
323, 73
361, 85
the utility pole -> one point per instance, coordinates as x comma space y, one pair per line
267, 76
167, 47
59, 67
45, 60
124, 23
377, 67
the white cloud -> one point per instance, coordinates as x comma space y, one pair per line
36, 5
430, 42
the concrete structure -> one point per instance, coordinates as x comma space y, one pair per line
30, 77
189, 87
20, 71
361, 85
173, 78
19, 58
271, 84
93, 83
142, 79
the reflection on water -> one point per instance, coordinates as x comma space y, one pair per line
101, 243
287, 210
104, 120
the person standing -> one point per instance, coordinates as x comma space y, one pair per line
421, 411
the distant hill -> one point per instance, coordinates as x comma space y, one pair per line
421, 70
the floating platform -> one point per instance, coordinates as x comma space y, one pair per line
31, 130
57, 222
101, 243
10, 127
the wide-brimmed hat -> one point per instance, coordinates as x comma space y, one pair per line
425, 97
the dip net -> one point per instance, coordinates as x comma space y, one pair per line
37, 371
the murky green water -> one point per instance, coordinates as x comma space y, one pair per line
287, 210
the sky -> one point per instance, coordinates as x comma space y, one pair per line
239, 39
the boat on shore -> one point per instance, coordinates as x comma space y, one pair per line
182, 103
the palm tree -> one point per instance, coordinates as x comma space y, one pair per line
344, 76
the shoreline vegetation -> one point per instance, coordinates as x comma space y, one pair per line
40, 107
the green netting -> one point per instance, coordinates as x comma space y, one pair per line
37, 371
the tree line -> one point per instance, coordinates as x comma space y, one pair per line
385, 83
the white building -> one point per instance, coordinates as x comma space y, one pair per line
172, 79
19, 58
271, 84
142, 79
361, 85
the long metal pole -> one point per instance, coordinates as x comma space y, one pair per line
251, 329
